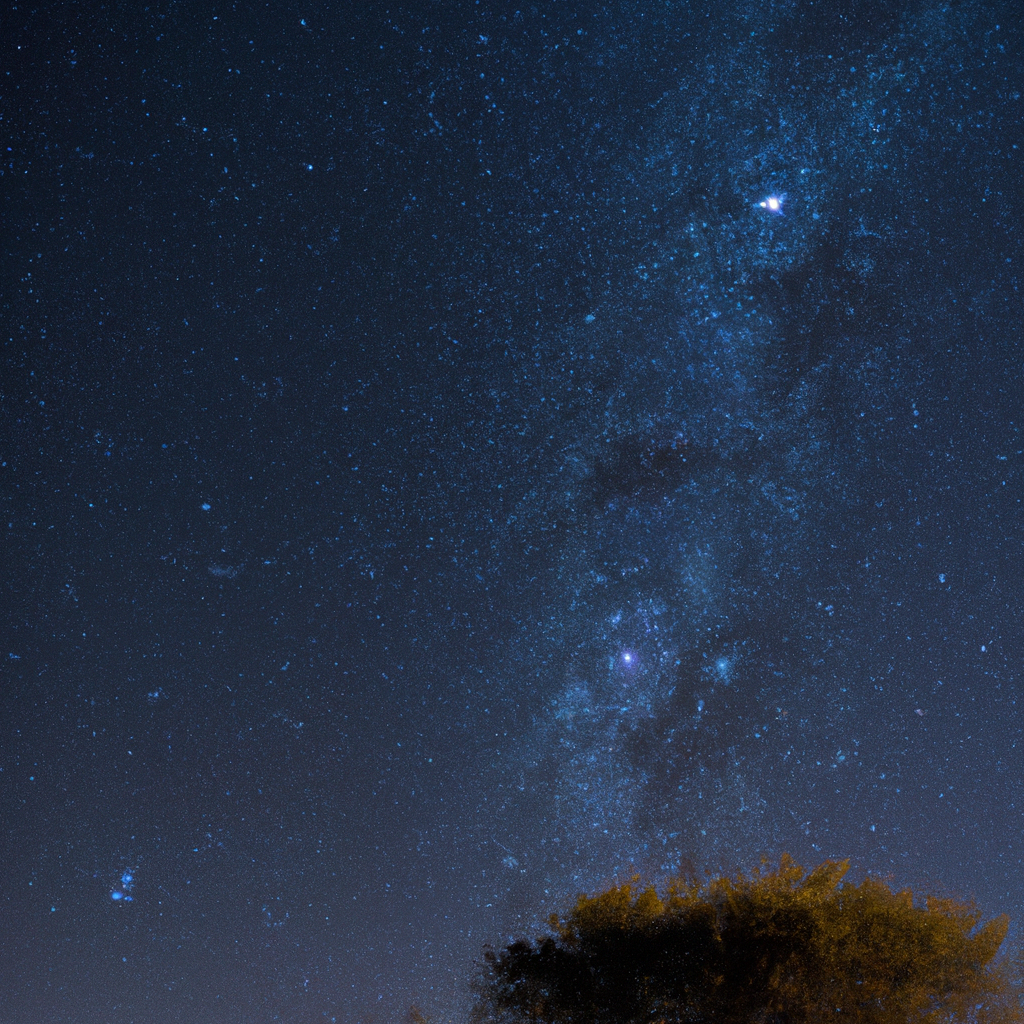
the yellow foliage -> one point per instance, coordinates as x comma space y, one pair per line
780, 944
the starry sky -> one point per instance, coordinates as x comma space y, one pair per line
455, 455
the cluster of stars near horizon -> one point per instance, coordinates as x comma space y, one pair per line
123, 892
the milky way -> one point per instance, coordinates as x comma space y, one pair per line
457, 459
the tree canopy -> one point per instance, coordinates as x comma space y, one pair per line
780, 946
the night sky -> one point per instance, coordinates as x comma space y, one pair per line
455, 456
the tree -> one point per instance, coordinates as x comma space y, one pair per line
780, 946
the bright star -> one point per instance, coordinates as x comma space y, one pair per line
772, 203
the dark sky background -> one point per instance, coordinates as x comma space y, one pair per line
434, 484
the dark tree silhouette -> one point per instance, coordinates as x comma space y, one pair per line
778, 947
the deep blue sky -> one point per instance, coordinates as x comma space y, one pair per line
435, 484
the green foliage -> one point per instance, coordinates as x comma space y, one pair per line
778, 947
